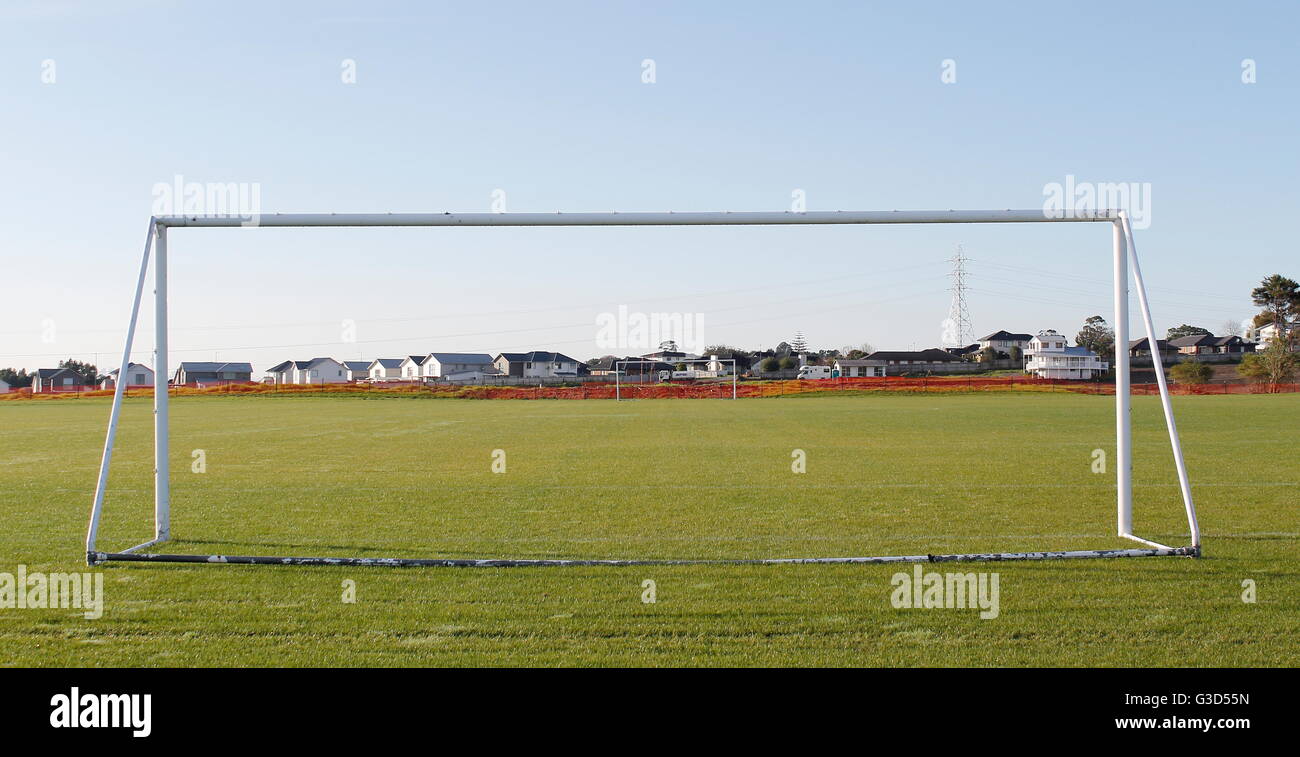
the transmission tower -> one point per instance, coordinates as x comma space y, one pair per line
957, 328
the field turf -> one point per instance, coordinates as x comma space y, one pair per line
885, 474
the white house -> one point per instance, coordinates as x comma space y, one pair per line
1049, 356
446, 364
1265, 334
386, 369
136, 375
320, 370
536, 364
412, 367
860, 368
4, 386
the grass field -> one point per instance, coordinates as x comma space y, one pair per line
656, 479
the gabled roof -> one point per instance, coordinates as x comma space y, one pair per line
129, 366
462, 357
199, 367
930, 356
48, 373
386, 362
1195, 340
280, 367
417, 359
1141, 344
1005, 335
357, 365
536, 356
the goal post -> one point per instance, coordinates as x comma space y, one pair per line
1124, 253
710, 361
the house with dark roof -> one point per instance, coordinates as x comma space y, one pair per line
194, 372
356, 369
895, 357
536, 364
1003, 341
1141, 348
385, 369
57, 380
1209, 344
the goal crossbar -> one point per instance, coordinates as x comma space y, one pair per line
1124, 251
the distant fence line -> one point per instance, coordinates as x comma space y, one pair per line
690, 389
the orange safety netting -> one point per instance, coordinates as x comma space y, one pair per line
682, 390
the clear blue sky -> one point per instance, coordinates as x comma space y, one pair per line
546, 102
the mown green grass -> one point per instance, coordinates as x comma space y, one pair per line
655, 479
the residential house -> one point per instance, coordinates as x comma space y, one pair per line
848, 368
536, 364
970, 350
1003, 341
1262, 335
318, 370
412, 367
212, 373
1048, 355
357, 370
897, 357
1140, 348
386, 369
1209, 344
136, 375
57, 380
4, 386
457, 364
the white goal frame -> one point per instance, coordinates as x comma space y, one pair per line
1124, 252
618, 385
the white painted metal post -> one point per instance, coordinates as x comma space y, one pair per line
1123, 419
161, 470
1157, 362
97, 507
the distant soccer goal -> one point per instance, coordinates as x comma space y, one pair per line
1124, 260
630, 373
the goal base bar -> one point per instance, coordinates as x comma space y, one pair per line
96, 558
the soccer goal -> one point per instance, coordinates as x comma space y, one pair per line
667, 370
1124, 257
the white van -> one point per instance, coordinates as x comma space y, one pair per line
814, 372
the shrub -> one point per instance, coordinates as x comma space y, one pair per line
1190, 372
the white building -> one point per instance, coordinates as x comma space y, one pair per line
446, 364
1049, 356
386, 369
320, 370
536, 364
1263, 335
4, 386
860, 368
136, 375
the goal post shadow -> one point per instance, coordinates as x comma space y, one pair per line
1124, 253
